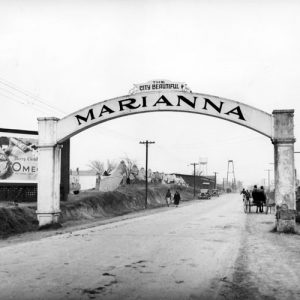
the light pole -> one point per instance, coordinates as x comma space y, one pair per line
194, 164
215, 179
268, 170
146, 143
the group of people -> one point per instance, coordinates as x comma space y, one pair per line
258, 195
176, 198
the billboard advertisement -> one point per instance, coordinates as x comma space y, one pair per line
18, 158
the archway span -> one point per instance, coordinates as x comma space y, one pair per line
279, 127
229, 110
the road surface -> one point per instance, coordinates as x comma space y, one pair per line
206, 249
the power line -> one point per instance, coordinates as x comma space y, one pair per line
20, 102
29, 95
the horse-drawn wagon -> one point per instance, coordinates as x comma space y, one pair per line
248, 203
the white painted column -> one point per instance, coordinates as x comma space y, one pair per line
48, 207
283, 141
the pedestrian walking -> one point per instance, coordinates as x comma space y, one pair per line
176, 198
255, 196
168, 197
244, 193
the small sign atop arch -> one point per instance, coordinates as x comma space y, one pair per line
159, 85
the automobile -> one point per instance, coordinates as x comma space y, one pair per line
215, 192
204, 194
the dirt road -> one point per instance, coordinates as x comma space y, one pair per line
201, 250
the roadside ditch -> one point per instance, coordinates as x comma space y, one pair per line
90, 206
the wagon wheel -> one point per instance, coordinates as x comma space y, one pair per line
249, 206
250, 203
245, 206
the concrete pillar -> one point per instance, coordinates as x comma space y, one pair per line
283, 140
48, 207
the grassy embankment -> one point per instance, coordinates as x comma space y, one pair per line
90, 205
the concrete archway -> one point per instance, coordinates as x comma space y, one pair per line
277, 126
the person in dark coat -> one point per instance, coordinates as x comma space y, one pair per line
262, 198
176, 198
255, 196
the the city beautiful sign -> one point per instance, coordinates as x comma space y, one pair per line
158, 85
163, 95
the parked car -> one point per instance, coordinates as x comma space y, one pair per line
204, 194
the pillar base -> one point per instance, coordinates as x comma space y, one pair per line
286, 219
286, 226
46, 219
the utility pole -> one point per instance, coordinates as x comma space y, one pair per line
146, 143
268, 170
215, 179
194, 164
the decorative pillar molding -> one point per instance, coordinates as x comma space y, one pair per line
48, 207
283, 140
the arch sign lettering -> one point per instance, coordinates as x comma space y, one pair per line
162, 96
155, 96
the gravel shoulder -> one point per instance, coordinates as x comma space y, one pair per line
268, 264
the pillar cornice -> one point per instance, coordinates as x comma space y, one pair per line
283, 111
276, 141
48, 119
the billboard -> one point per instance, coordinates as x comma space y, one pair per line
18, 158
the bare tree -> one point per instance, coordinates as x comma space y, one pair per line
110, 165
129, 165
97, 166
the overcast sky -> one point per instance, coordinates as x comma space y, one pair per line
71, 54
